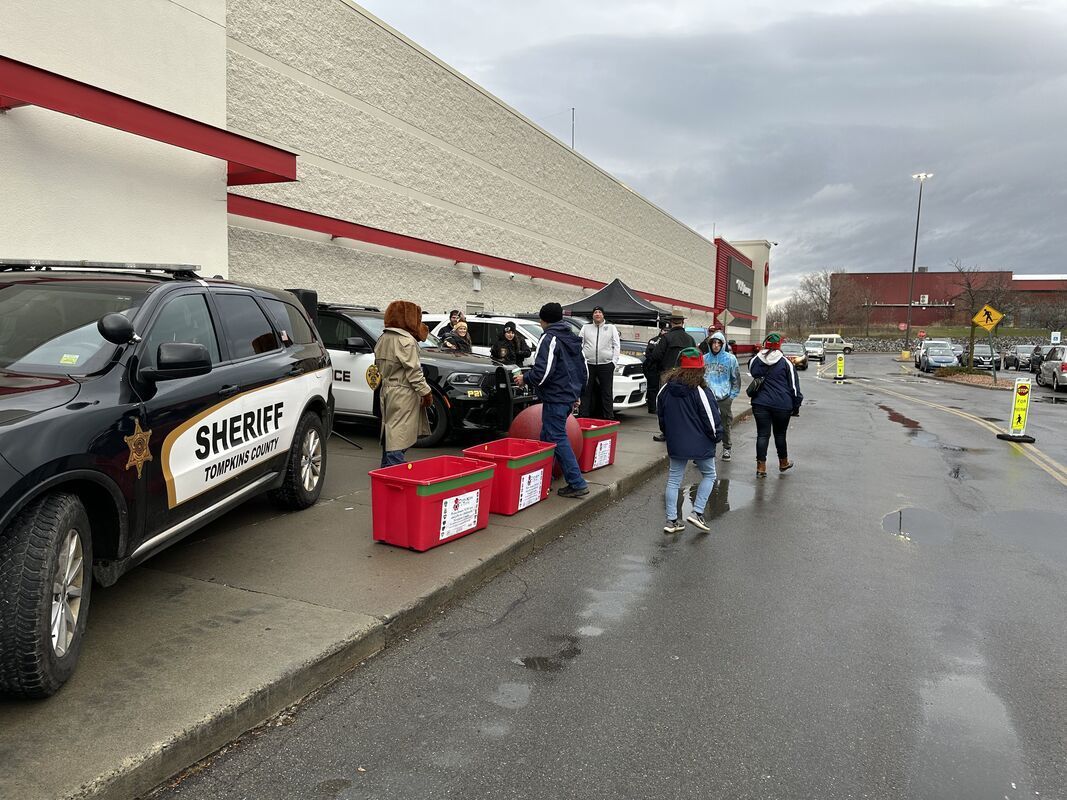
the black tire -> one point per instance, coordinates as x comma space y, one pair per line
439, 424
1038, 379
32, 662
305, 468
848, 351
1056, 385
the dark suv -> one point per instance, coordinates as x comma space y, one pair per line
136, 405
470, 391
1018, 356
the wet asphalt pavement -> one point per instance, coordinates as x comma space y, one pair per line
884, 621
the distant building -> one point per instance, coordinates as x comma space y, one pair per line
881, 298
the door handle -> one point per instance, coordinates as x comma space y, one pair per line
229, 391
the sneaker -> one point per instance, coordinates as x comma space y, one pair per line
659, 437
572, 491
726, 454
673, 526
697, 520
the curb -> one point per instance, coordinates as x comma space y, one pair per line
1005, 387
147, 770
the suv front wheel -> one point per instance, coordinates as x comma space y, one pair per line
305, 469
46, 557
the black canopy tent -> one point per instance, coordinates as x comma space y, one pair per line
621, 305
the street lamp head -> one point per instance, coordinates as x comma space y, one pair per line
922, 176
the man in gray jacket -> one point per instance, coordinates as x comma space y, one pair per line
600, 348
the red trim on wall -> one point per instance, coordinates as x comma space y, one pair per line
293, 217
722, 244
249, 161
741, 315
722, 276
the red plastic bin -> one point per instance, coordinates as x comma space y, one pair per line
599, 439
425, 503
523, 472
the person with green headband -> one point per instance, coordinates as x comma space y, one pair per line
776, 399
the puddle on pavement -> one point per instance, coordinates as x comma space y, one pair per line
918, 525
993, 419
1048, 398
900, 419
553, 663
916, 433
725, 496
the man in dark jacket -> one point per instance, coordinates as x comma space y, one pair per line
651, 369
673, 342
558, 376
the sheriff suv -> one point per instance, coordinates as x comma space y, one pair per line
136, 405
470, 392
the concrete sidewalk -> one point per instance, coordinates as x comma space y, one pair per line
249, 615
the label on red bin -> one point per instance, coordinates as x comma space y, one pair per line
530, 488
602, 454
459, 514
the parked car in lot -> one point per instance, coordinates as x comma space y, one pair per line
1038, 357
1017, 356
936, 356
832, 343
136, 405
815, 349
926, 343
984, 357
470, 391
795, 353
1053, 371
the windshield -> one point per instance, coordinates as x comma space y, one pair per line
534, 330
942, 351
813, 343
984, 349
376, 325
794, 349
50, 327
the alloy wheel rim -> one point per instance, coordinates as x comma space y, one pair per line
67, 588
311, 461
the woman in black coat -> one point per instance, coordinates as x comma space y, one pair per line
457, 338
511, 348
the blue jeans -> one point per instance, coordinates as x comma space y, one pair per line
674, 483
554, 429
390, 458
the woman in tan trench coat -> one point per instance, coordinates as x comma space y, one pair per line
405, 394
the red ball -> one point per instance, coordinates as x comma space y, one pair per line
527, 425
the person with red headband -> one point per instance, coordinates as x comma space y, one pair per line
775, 393
689, 420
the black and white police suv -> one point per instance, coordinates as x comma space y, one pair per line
469, 391
136, 405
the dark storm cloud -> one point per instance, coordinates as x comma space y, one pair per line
807, 132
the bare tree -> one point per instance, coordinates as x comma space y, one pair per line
817, 289
978, 288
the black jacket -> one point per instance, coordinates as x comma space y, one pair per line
453, 341
665, 353
514, 352
648, 366
689, 419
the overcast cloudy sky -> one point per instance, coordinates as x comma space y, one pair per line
797, 121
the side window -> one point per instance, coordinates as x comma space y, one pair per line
184, 319
477, 333
335, 330
287, 317
247, 329
495, 332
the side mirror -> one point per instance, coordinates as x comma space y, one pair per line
357, 344
179, 360
116, 328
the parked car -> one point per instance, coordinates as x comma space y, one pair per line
795, 353
926, 343
984, 357
832, 343
137, 405
470, 391
1053, 371
1017, 356
936, 356
1038, 357
815, 349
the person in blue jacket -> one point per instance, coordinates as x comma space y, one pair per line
689, 420
724, 379
777, 400
558, 377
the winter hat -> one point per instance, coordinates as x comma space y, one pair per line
598, 308
691, 358
509, 326
551, 312
773, 341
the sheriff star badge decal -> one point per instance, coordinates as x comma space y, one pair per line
138, 444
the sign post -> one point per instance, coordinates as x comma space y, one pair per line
988, 318
1020, 410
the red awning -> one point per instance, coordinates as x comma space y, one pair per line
249, 161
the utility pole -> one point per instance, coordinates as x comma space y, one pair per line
922, 177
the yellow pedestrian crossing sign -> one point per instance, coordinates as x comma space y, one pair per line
987, 318
1020, 407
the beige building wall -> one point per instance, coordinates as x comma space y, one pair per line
390, 137
74, 190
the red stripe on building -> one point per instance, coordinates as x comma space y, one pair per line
343, 229
249, 161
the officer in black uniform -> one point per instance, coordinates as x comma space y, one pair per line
651, 369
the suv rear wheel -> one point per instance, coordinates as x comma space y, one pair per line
306, 468
46, 557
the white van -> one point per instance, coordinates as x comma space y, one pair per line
832, 343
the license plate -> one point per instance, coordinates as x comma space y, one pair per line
643, 386
474, 393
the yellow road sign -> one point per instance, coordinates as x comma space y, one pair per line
840, 366
987, 318
1020, 407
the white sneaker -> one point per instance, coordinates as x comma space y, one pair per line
726, 454
673, 526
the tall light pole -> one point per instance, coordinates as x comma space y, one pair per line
922, 177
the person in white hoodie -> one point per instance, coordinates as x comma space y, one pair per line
600, 348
